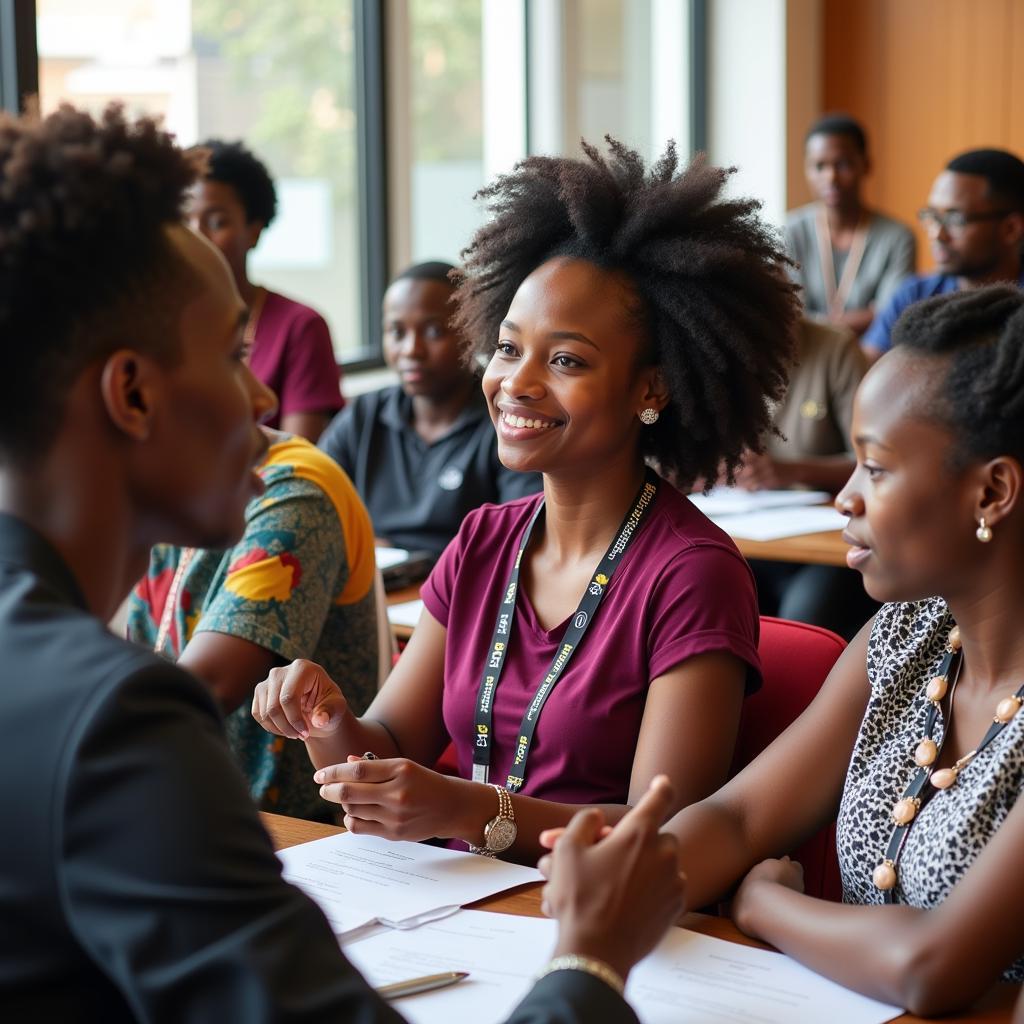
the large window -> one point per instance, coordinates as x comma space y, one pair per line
610, 67
280, 76
474, 85
446, 98
453, 93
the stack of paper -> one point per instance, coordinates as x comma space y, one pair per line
405, 613
688, 979
358, 881
724, 501
387, 557
769, 515
772, 524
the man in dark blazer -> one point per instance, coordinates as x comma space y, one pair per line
136, 882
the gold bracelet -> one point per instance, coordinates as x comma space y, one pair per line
588, 964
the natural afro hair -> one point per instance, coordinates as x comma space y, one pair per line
980, 396
717, 313
232, 164
85, 263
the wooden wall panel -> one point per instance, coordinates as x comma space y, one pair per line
928, 78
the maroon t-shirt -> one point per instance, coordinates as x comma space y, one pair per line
292, 354
681, 589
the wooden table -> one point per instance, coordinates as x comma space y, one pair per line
827, 548
994, 1008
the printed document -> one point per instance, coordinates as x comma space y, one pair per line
775, 523
361, 880
689, 979
724, 501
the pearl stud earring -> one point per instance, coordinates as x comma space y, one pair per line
984, 531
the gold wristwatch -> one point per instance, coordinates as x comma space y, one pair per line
500, 832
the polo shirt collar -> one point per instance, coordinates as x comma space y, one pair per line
949, 281
396, 411
25, 548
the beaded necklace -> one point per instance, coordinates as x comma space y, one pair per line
905, 809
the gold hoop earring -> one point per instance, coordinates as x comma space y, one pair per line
984, 531
648, 417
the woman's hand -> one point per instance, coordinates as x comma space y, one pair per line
396, 798
760, 473
299, 702
785, 872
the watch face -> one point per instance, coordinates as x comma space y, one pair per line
501, 834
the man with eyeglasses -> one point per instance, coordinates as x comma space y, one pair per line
975, 225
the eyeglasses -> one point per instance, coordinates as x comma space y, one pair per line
956, 220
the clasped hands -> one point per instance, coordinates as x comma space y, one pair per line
392, 797
396, 798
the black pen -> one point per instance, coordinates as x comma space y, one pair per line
427, 983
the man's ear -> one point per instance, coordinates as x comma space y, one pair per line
253, 230
1013, 228
128, 385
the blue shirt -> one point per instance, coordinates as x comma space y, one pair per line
914, 289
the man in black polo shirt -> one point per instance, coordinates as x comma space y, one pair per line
135, 879
424, 453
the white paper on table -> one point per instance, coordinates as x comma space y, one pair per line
773, 524
502, 953
387, 557
358, 880
700, 979
688, 979
723, 501
405, 613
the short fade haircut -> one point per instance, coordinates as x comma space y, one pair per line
431, 270
980, 398
713, 304
85, 263
1003, 173
840, 124
232, 164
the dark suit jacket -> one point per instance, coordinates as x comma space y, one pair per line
136, 882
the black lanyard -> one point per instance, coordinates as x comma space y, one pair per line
573, 636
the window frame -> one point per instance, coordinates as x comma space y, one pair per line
19, 85
19, 55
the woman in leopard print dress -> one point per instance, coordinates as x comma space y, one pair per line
936, 527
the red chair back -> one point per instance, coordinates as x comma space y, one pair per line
795, 660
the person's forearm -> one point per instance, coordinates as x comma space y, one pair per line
890, 953
714, 852
824, 473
